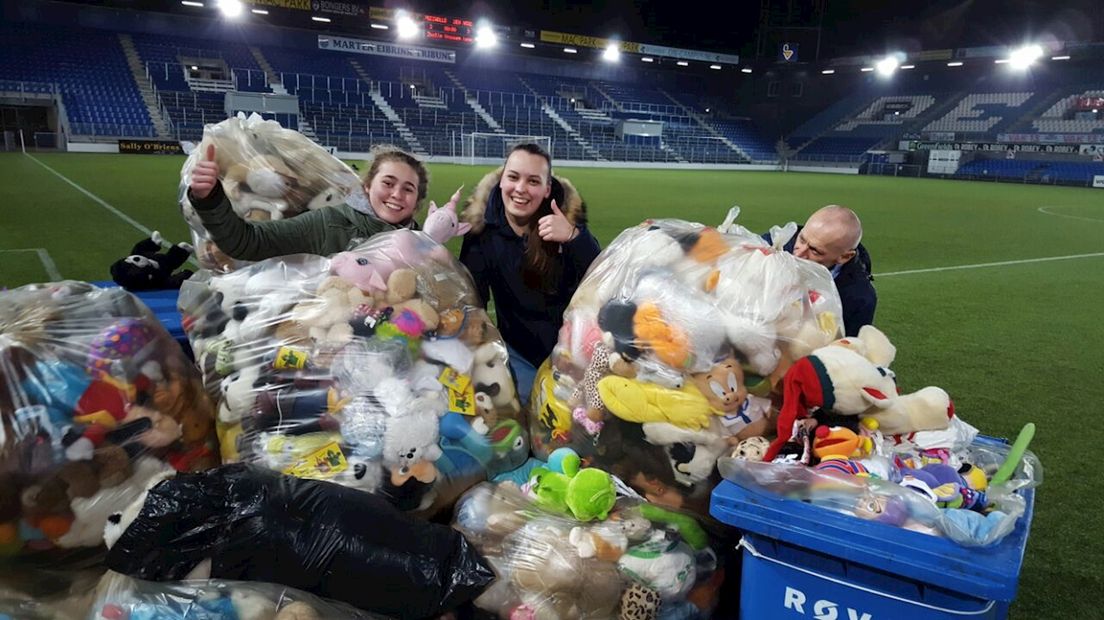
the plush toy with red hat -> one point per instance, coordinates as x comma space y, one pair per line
834, 378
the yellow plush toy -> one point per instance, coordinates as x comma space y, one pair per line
635, 401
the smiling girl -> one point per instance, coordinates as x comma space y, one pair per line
394, 185
529, 248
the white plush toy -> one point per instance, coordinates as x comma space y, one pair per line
91, 513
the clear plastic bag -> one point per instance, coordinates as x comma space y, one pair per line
376, 369
95, 400
268, 173
940, 493
671, 349
120, 597
640, 559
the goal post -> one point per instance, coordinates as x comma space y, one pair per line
480, 145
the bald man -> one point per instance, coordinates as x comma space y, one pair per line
831, 237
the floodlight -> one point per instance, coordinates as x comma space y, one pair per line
745, 70
612, 54
570, 50
258, 11
324, 20
380, 26
954, 64
1059, 57
866, 69
407, 28
191, 3
528, 46
485, 36
887, 65
682, 63
828, 71
906, 67
1025, 56
715, 67
647, 59
230, 8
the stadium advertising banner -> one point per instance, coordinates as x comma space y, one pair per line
1051, 138
1098, 180
564, 38
349, 9
394, 50
150, 147
675, 52
299, 5
943, 162
992, 147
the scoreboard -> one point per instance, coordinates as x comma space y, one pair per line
451, 29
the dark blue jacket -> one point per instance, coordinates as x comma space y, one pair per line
529, 319
855, 285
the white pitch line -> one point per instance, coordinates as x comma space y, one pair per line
47, 262
1072, 217
100, 201
982, 265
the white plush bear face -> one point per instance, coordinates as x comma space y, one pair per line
491, 376
410, 439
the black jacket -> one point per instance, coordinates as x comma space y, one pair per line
529, 319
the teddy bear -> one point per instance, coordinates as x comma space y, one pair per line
491, 376
148, 269
327, 314
261, 188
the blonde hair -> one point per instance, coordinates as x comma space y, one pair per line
388, 152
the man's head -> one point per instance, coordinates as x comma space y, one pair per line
830, 237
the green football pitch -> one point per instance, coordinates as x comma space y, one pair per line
988, 290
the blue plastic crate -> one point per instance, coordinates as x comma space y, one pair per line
804, 561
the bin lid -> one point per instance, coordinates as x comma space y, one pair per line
991, 573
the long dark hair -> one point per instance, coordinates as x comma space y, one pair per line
540, 268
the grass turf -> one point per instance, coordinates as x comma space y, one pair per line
1012, 343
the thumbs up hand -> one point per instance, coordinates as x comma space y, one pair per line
205, 175
556, 227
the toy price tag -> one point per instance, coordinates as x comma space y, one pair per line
455, 380
288, 358
325, 462
462, 401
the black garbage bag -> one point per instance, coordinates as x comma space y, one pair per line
255, 524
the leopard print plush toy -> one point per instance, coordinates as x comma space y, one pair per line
639, 603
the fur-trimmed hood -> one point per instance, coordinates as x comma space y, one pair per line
567, 197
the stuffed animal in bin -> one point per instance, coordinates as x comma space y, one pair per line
148, 269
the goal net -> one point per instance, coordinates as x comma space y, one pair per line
478, 145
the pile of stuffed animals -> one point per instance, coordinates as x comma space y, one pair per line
95, 399
269, 173
847, 439
671, 350
376, 368
564, 546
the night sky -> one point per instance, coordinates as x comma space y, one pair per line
850, 26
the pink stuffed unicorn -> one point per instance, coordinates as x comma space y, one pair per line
442, 223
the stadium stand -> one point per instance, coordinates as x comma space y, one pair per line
99, 94
980, 113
